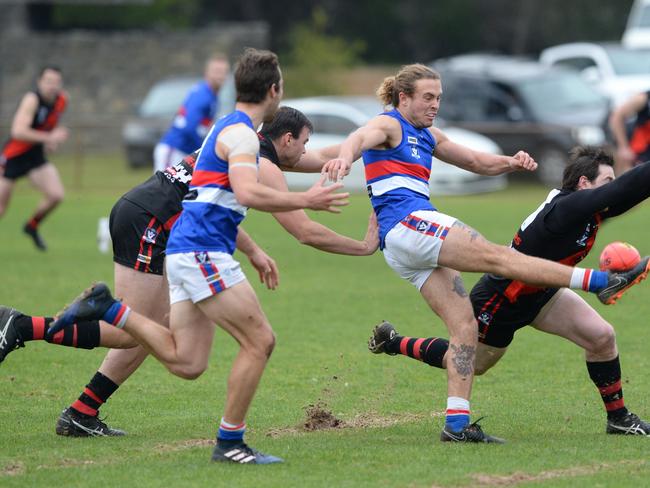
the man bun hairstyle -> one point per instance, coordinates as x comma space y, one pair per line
256, 72
404, 81
584, 161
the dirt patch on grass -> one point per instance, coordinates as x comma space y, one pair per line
13, 469
519, 478
187, 444
320, 417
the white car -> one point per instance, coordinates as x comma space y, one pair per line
616, 71
637, 30
334, 118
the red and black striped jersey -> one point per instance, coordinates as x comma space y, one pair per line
640, 137
45, 119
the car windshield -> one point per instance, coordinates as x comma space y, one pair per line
629, 61
165, 97
559, 93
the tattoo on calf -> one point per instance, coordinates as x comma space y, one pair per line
459, 288
463, 358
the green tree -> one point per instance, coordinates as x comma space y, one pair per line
314, 57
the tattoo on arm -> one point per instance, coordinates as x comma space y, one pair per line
459, 288
473, 234
463, 358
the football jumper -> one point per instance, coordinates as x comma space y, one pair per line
193, 119
398, 178
562, 229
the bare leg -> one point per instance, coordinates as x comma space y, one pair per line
147, 294
464, 249
47, 180
445, 293
6, 188
569, 316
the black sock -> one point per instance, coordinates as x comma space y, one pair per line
430, 350
606, 375
96, 393
35, 328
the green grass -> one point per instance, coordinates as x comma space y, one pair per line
539, 397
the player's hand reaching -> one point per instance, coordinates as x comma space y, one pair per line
336, 169
522, 161
57, 137
372, 234
320, 197
266, 268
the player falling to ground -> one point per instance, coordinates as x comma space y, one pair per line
194, 117
33, 131
207, 286
562, 229
140, 223
429, 248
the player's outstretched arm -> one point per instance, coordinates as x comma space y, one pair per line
239, 146
379, 131
480, 162
312, 233
262, 262
314, 159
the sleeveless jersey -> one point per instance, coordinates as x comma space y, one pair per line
211, 214
398, 178
640, 138
193, 119
45, 119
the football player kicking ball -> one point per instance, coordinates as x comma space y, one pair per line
562, 229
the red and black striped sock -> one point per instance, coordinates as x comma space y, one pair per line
430, 350
606, 375
36, 219
35, 329
96, 393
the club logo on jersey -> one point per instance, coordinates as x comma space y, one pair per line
178, 173
423, 226
150, 235
42, 115
582, 242
414, 152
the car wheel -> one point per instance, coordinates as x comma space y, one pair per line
551, 164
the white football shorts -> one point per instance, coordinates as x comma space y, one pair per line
412, 247
198, 275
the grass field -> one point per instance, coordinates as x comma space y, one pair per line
539, 397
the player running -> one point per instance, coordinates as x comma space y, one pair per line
35, 129
284, 144
429, 248
562, 229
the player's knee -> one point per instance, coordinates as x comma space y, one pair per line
56, 197
604, 340
187, 371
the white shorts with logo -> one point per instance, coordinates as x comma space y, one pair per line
165, 156
412, 247
198, 275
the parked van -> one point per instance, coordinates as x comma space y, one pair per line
637, 31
